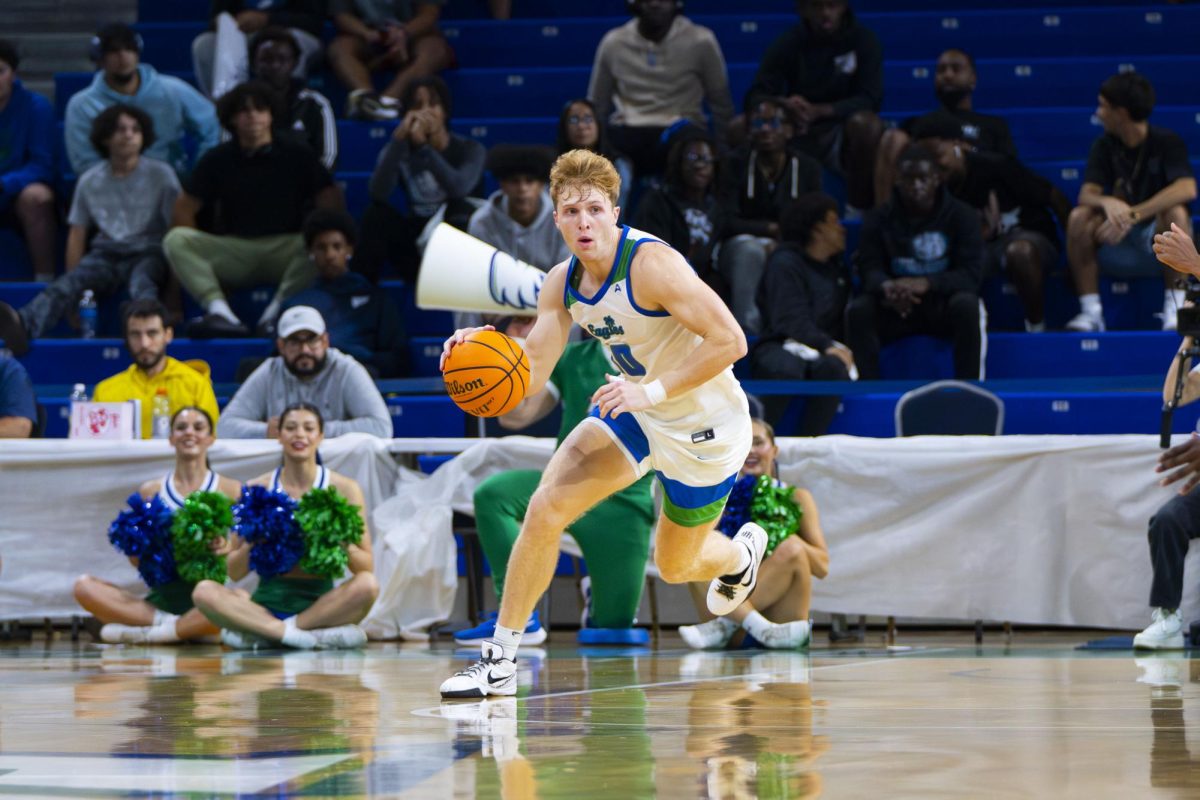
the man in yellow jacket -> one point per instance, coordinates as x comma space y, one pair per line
147, 335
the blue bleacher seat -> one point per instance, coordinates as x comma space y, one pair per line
67, 361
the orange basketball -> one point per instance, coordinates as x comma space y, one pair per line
487, 374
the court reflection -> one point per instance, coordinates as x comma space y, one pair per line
236, 706
1172, 765
726, 726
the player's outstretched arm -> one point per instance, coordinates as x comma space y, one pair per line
662, 279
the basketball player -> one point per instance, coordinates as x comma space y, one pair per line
675, 409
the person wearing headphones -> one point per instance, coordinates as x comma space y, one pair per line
654, 71
175, 107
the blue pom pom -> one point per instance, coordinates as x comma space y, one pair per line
266, 520
737, 507
144, 532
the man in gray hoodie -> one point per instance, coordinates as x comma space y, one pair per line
174, 106
308, 370
519, 217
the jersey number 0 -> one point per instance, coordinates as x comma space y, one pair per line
624, 359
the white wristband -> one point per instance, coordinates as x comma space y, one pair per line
655, 393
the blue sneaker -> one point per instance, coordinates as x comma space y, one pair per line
534, 632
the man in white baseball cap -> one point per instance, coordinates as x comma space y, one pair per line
306, 370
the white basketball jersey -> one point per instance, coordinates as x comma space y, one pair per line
647, 344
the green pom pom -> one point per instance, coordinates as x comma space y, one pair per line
329, 524
205, 516
774, 509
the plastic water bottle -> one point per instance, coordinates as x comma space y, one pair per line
88, 312
160, 415
79, 394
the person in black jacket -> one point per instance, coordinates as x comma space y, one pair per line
305, 114
303, 18
802, 300
684, 212
1018, 208
920, 261
830, 69
757, 181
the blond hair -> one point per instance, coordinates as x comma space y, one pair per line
579, 170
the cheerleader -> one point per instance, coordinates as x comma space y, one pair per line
294, 606
166, 614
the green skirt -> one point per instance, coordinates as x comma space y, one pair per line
174, 597
286, 597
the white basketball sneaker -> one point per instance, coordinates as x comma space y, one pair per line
1165, 632
787, 635
244, 641
711, 635
116, 633
340, 637
492, 674
726, 595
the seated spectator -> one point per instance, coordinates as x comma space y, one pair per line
802, 302
954, 82
298, 608
759, 180
519, 217
580, 128
359, 315
830, 70
18, 404
147, 336
27, 171
128, 200
258, 191
306, 113
175, 107
776, 613
1138, 181
614, 536
437, 171
653, 71
302, 18
684, 212
920, 261
399, 36
307, 371
1018, 208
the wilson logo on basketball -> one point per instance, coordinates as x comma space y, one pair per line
456, 388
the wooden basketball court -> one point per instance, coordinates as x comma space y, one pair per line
937, 718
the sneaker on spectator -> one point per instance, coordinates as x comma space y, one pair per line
1169, 316
366, 105
1084, 322
534, 632
1165, 631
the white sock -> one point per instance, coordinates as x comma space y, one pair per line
295, 637
756, 625
271, 311
1035, 327
222, 309
1090, 305
507, 640
1174, 298
163, 629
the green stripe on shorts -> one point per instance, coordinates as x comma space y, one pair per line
692, 517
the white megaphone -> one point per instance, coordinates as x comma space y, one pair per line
462, 273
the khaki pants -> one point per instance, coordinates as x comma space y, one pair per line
207, 264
